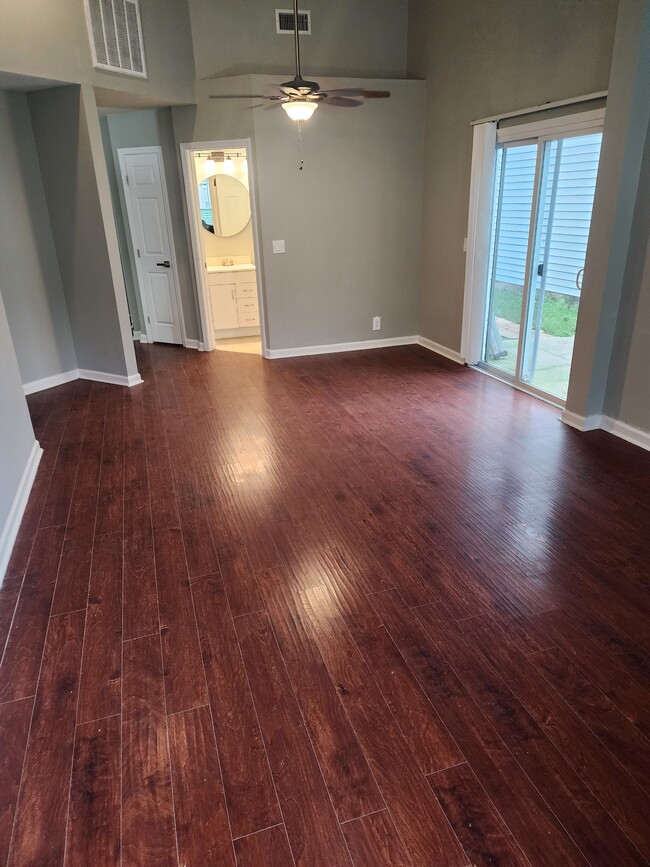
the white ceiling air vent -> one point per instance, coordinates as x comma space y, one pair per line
116, 35
284, 21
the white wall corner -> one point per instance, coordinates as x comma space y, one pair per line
12, 524
111, 378
441, 350
581, 422
50, 381
634, 435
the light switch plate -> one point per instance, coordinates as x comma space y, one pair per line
278, 247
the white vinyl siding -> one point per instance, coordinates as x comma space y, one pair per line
515, 179
574, 199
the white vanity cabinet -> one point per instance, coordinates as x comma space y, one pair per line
224, 306
233, 298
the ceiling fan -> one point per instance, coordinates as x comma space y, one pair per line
300, 98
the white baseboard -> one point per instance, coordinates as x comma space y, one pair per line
596, 421
50, 381
626, 432
10, 529
441, 350
137, 335
111, 378
70, 375
581, 422
326, 348
190, 343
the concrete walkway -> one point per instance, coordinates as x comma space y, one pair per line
553, 358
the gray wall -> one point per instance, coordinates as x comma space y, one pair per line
213, 119
16, 432
351, 219
30, 282
360, 38
480, 58
123, 241
50, 39
628, 386
66, 130
142, 129
611, 248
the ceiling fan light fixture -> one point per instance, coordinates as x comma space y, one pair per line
300, 109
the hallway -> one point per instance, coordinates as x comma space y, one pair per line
372, 609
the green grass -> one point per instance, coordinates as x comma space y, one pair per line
559, 314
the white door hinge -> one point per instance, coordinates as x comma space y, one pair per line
149, 320
138, 252
126, 178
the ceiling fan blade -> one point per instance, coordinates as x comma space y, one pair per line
376, 94
344, 91
242, 96
275, 104
342, 101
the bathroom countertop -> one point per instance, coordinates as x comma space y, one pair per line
217, 269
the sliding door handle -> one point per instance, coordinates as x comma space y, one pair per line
164, 264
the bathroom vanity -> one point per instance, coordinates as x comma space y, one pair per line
233, 299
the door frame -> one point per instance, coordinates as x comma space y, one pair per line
145, 335
192, 210
487, 138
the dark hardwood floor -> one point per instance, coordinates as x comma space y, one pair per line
369, 609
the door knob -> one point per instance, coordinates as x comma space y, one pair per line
164, 264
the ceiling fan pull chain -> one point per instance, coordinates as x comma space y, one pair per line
301, 160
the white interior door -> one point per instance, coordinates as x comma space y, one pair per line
151, 234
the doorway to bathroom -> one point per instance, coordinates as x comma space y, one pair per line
219, 186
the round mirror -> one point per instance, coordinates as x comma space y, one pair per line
225, 205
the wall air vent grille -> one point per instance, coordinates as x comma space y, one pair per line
116, 36
284, 21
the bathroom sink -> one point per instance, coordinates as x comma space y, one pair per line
218, 268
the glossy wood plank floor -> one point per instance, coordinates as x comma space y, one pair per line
370, 609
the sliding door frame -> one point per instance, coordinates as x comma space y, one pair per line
487, 138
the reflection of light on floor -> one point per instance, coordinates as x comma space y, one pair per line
246, 345
321, 602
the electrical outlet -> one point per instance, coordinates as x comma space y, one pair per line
376, 323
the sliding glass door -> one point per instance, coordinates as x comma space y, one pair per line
541, 214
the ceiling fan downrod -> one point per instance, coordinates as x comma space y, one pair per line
296, 40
